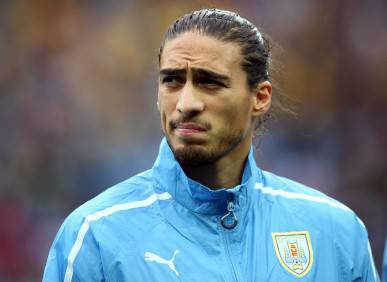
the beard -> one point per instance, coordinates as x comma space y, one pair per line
196, 155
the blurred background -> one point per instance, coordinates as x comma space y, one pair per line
78, 86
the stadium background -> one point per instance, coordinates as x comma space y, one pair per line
78, 84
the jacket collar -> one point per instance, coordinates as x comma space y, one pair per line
196, 197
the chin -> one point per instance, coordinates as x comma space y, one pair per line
191, 154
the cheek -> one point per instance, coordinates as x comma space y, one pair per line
166, 108
235, 114
167, 102
234, 117
163, 120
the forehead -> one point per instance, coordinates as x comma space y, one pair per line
192, 49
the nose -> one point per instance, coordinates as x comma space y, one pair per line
189, 101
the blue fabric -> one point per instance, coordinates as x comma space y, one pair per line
384, 268
162, 226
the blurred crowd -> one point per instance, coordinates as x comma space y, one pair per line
78, 88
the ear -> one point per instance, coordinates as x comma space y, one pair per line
262, 98
158, 106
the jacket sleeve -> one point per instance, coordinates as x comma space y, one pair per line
364, 267
384, 268
368, 269
74, 254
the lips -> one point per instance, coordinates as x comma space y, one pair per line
187, 129
192, 126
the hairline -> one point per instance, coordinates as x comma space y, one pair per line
204, 33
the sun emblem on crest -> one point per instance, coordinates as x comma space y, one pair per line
294, 251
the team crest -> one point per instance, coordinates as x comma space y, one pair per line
294, 251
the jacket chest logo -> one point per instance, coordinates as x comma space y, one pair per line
294, 251
155, 258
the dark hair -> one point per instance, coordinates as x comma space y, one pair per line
230, 27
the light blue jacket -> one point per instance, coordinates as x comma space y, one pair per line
384, 266
162, 226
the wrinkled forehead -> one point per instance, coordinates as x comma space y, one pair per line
193, 49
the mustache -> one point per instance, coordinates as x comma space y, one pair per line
176, 122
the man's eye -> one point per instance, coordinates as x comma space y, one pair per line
171, 81
210, 84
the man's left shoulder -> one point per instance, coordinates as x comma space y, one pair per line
308, 203
333, 229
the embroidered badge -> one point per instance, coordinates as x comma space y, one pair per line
294, 251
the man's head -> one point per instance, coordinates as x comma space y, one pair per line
214, 85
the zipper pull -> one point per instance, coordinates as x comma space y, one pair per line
229, 220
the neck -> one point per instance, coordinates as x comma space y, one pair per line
226, 172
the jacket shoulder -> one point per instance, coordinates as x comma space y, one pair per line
290, 191
136, 188
76, 230
309, 205
337, 224
322, 212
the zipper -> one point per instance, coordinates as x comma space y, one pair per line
229, 221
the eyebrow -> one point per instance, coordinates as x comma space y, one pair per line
174, 72
197, 72
212, 75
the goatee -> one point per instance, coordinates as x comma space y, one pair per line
195, 155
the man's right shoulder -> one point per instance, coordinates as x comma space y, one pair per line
93, 223
134, 189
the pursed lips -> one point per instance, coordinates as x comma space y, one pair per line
189, 128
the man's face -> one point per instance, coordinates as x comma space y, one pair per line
205, 104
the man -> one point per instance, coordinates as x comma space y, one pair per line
205, 211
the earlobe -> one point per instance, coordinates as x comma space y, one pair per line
262, 98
